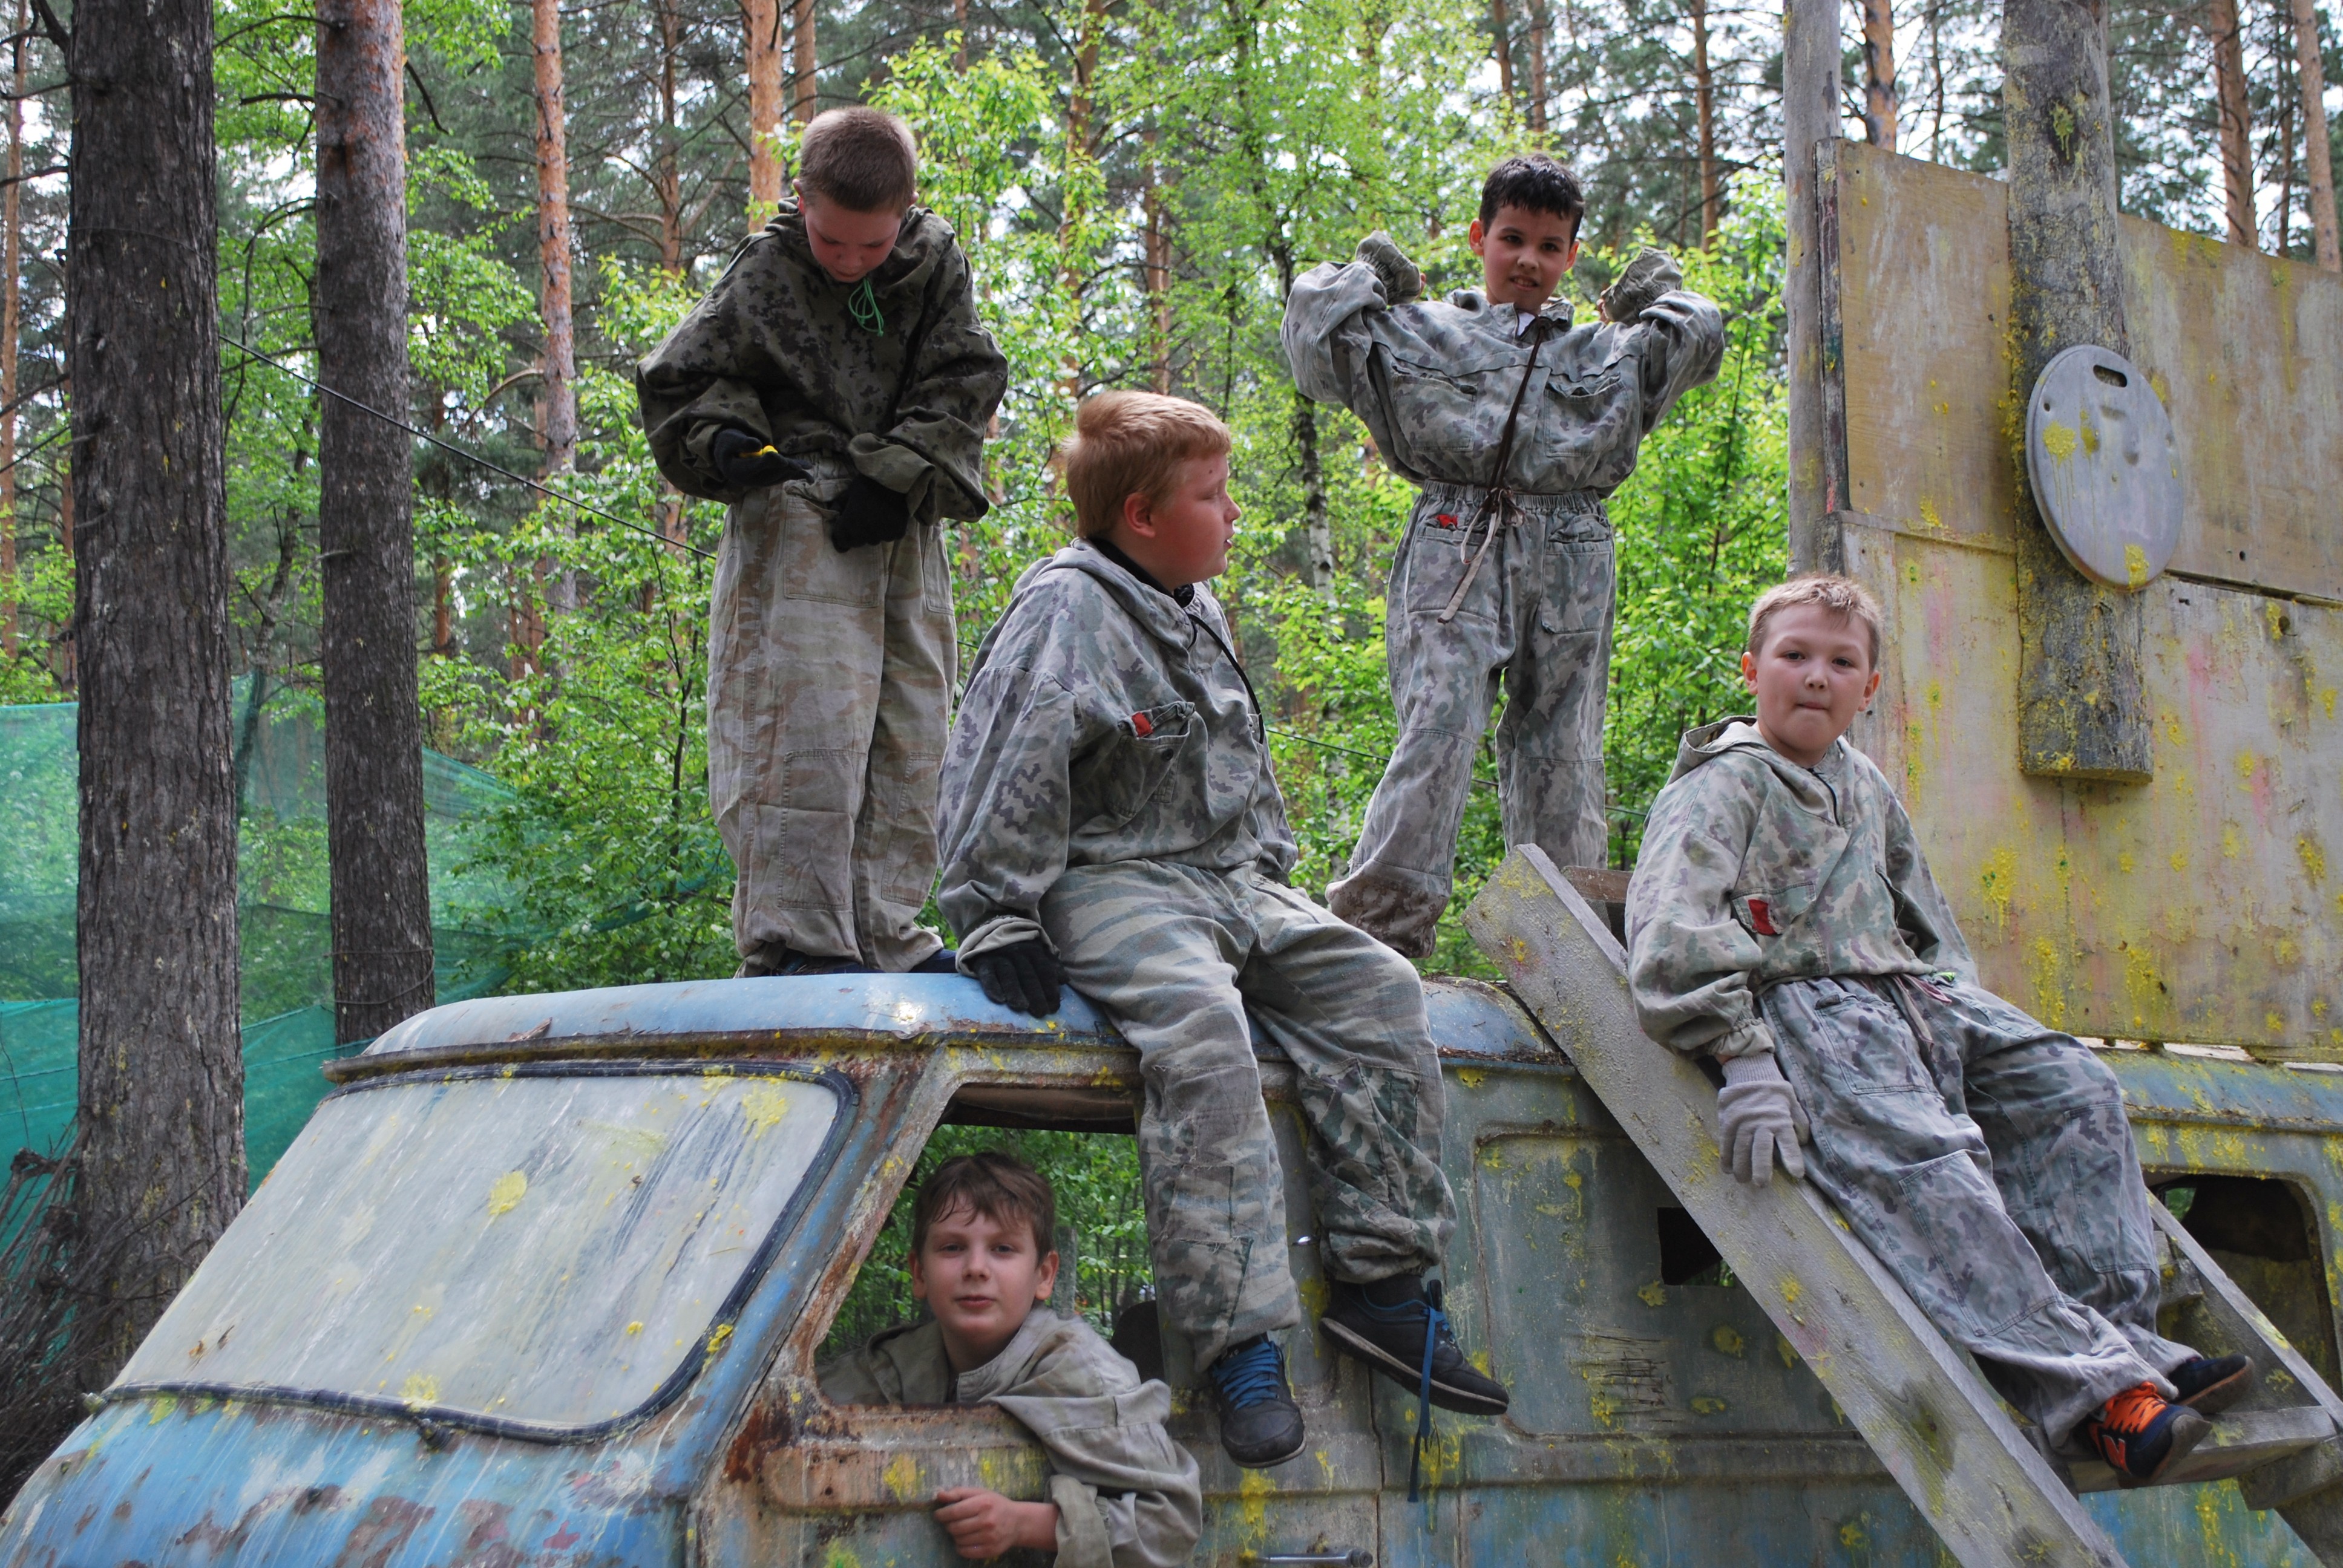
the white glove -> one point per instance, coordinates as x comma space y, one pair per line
1403, 283
1758, 1116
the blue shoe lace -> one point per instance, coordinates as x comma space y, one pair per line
1436, 1330
1253, 1374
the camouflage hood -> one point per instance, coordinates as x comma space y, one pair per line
1739, 732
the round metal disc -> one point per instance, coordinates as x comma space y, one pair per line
2105, 467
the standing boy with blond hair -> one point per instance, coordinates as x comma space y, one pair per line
834, 388
1783, 921
1516, 426
1111, 822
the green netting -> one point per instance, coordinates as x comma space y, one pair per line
286, 967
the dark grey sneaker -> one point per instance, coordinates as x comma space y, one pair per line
2211, 1384
1260, 1423
1394, 1339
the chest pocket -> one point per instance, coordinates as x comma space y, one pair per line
1140, 755
1772, 912
1452, 416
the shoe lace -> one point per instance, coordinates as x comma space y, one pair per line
1436, 1330
1249, 1375
2132, 1412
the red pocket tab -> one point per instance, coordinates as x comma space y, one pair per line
1141, 725
1761, 918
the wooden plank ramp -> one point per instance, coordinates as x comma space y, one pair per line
1976, 1476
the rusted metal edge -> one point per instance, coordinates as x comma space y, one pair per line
427, 1416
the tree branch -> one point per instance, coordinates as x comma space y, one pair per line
59, 35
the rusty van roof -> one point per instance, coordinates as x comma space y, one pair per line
717, 1018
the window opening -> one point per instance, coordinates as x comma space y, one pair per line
2259, 1231
1083, 1141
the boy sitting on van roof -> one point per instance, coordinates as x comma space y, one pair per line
1782, 918
1111, 820
1122, 1494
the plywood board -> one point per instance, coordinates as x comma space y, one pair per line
2246, 351
2201, 906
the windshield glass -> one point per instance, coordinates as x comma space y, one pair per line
546, 1245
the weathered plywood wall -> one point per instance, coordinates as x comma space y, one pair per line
2200, 906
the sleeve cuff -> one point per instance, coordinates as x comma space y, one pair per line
1001, 931
1752, 1037
1083, 1539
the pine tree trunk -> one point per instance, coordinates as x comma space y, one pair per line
365, 527
1879, 73
1156, 264
1703, 85
2082, 713
1538, 79
2317, 159
560, 384
762, 20
2236, 118
1503, 29
159, 1163
667, 170
805, 63
12, 296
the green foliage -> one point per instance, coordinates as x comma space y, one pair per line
1095, 1176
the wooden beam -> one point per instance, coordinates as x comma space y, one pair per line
1810, 117
1990, 1497
2081, 710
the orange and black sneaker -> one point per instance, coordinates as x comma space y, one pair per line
2139, 1435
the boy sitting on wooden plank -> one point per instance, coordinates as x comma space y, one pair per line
1111, 820
1781, 920
1122, 1494
1516, 426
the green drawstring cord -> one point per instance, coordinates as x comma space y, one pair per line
863, 306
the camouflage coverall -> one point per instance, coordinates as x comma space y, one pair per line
830, 675
1128, 1495
1435, 383
1108, 790
1984, 1159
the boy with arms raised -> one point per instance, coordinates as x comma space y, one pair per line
1111, 820
1515, 425
1781, 920
834, 387
1122, 1494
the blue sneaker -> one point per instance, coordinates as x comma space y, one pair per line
1260, 1423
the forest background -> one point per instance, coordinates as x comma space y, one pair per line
1137, 186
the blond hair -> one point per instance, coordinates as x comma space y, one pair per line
1129, 443
1842, 597
863, 160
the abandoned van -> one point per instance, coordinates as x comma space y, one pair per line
545, 1278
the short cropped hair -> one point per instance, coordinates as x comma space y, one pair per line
1534, 183
1129, 443
863, 160
997, 1185
1842, 597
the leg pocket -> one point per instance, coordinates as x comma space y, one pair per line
1580, 576
1855, 1044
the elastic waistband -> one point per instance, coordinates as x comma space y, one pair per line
1465, 501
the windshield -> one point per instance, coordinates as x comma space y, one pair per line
553, 1245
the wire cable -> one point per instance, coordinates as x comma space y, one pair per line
421, 435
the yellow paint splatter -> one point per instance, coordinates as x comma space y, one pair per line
2274, 614
1728, 1339
2232, 846
2179, 859
2058, 440
1929, 517
2047, 975
1471, 1077
636, 1327
716, 1341
1997, 884
2123, 862
506, 1193
1785, 1350
2313, 858
902, 1477
1253, 1492
765, 1106
1654, 1294
2135, 565
1707, 1404
420, 1388
2247, 763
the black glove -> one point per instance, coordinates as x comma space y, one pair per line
749, 463
868, 514
1025, 975
1652, 273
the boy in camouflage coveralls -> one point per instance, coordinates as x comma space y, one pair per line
1122, 1493
1111, 820
1495, 389
1783, 921
834, 387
